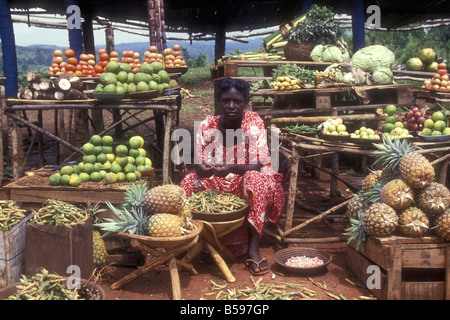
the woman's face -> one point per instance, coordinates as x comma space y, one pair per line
233, 104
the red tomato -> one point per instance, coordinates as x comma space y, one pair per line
58, 53
69, 53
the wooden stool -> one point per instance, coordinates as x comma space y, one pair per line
210, 235
171, 247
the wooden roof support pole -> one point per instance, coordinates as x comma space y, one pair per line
88, 34
220, 42
151, 21
109, 34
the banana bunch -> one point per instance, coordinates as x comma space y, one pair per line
286, 83
325, 76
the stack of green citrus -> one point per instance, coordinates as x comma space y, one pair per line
119, 78
436, 125
102, 162
129, 162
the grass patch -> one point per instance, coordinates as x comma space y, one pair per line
195, 76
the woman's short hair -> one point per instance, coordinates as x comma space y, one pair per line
227, 83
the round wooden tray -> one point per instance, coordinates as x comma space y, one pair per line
222, 216
143, 94
181, 70
220, 226
165, 242
283, 255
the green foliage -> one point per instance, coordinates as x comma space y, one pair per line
318, 27
305, 75
195, 76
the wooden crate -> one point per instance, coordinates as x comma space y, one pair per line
410, 268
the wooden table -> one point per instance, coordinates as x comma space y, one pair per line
165, 110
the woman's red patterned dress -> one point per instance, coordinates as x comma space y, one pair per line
262, 189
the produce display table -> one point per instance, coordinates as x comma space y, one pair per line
165, 110
327, 97
298, 144
433, 96
164, 250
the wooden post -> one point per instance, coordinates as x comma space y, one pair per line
290, 207
166, 148
163, 24
158, 27
109, 34
2, 109
175, 278
151, 21
220, 42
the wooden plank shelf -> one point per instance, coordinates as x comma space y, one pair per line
326, 98
231, 67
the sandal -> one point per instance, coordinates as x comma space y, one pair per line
257, 267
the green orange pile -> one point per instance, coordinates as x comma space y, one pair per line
119, 78
436, 125
103, 162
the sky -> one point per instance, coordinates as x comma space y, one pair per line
25, 36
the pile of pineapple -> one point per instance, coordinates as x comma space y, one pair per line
402, 196
161, 211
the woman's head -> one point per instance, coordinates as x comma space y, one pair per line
233, 97
239, 85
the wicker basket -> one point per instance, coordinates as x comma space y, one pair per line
295, 51
165, 242
222, 216
283, 255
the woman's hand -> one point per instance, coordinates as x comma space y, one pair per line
223, 170
204, 170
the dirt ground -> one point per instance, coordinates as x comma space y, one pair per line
336, 282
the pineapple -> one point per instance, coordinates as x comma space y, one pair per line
399, 156
135, 194
442, 225
388, 174
100, 252
413, 222
434, 199
165, 225
397, 194
164, 199
356, 231
355, 205
370, 179
132, 220
379, 220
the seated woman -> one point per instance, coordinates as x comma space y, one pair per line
238, 164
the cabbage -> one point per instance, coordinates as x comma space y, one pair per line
348, 78
372, 57
383, 75
316, 53
332, 54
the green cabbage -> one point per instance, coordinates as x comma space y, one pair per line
372, 57
316, 53
348, 78
332, 54
383, 75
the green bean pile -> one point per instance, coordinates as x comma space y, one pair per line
302, 128
44, 286
213, 201
59, 213
10, 214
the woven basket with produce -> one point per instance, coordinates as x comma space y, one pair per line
212, 205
